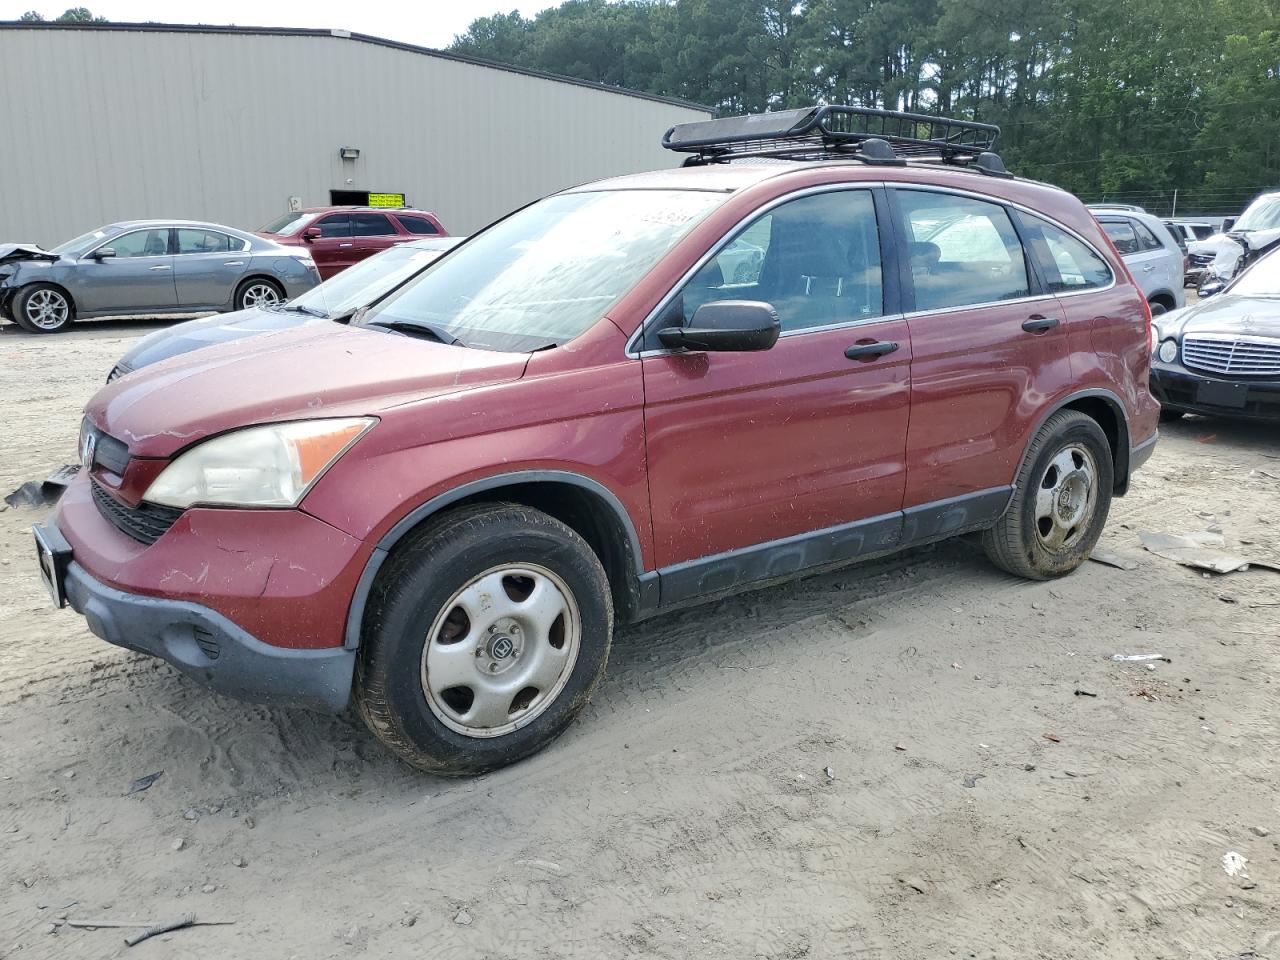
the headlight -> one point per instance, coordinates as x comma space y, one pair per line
268, 466
1169, 351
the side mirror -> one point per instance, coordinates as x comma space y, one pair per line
103, 253
311, 233
726, 325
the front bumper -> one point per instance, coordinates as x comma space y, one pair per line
1181, 389
202, 643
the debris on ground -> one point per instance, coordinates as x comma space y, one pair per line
1202, 550
144, 783
1053, 737
186, 920
178, 844
971, 780
831, 774
1234, 864
35, 493
1112, 559
462, 918
1084, 693
1259, 831
1139, 657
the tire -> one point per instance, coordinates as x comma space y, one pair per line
43, 308
529, 582
257, 292
1042, 536
1157, 308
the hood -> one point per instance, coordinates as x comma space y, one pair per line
13, 252
1225, 313
220, 328
317, 370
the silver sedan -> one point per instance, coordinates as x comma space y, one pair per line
148, 267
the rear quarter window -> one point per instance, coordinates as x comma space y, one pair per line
1065, 262
417, 225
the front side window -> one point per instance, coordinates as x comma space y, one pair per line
371, 225
335, 226
207, 241
141, 243
417, 225
547, 273
1122, 235
961, 251
815, 259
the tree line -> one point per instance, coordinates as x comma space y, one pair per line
1125, 101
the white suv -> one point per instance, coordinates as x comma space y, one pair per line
1151, 254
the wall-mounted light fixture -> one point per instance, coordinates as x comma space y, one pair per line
349, 153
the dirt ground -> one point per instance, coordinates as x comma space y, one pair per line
976, 806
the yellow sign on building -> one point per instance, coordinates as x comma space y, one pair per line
386, 199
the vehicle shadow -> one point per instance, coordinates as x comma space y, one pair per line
107, 327
1255, 436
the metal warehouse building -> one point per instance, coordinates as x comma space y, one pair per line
238, 125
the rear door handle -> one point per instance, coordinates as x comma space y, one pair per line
869, 351
1148, 268
233, 263
1039, 324
161, 267
345, 245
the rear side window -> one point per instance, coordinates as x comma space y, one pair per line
207, 241
419, 225
1146, 239
1065, 262
335, 226
1122, 235
372, 225
962, 251
815, 259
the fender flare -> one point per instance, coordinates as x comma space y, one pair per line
355, 613
1123, 438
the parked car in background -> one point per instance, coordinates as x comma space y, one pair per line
1127, 207
1151, 254
439, 510
1201, 254
1189, 231
148, 267
1254, 233
1222, 355
337, 237
334, 299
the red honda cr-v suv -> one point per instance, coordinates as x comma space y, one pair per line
627, 397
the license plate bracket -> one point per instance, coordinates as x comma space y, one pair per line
52, 559
1217, 393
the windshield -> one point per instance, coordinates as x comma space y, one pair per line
1263, 214
547, 273
365, 282
80, 242
287, 224
1262, 279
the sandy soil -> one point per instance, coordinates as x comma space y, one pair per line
688, 813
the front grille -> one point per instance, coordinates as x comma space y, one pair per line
146, 522
1201, 259
1245, 356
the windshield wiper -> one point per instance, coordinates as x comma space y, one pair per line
299, 308
418, 328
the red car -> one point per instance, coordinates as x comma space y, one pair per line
579, 417
340, 236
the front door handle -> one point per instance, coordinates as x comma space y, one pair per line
1147, 268
870, 351
345, 245
161, 267
1039, 324
233, 263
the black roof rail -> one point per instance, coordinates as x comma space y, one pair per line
836, 132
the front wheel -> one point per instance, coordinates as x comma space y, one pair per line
43, 308
258, 292
1060, 502
483, 639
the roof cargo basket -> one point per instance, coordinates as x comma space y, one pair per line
836, 132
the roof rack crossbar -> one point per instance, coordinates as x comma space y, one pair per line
834, 132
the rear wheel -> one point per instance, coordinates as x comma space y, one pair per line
1060, 502
258, 292
484, 638
43, 308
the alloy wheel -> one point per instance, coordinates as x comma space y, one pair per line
47, 309
259, 295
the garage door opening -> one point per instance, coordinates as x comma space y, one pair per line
365, 198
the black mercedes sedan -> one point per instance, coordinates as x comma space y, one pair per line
1222, 356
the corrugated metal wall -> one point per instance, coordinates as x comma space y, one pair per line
104, 125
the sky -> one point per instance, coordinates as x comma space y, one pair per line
428, 23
